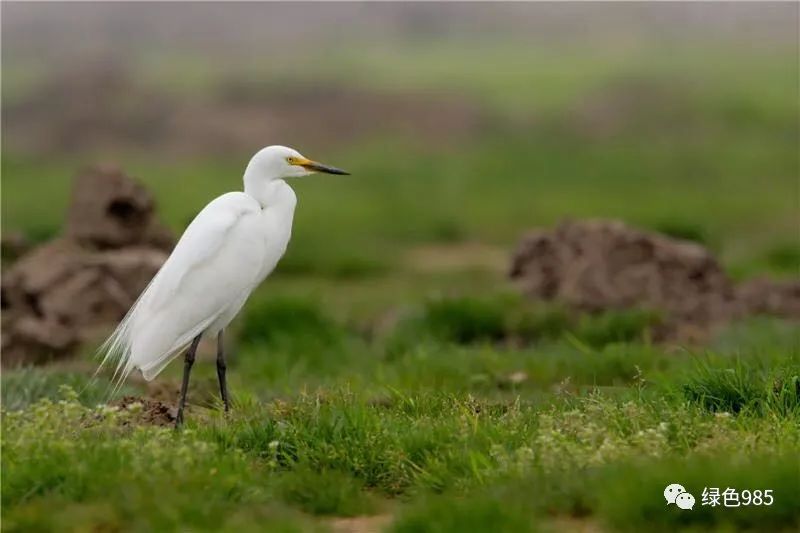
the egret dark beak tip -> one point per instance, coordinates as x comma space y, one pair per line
319, 167
334, 170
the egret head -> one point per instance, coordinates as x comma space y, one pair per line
279, 162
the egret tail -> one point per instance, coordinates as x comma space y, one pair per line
143, 341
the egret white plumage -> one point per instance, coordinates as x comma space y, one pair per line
230, 247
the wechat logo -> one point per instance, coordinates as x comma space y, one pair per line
675, 493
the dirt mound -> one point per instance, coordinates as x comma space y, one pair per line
772, 297
597, 265
149, 411
56, 295
110, 210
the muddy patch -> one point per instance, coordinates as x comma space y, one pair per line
147, 411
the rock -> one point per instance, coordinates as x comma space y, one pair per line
54, 298
29, 339
597, 265
110, 210
57, 295
772, 297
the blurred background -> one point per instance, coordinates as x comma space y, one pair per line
464, 125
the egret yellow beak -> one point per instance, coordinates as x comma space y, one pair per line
318, 167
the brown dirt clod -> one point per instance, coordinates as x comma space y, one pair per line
772, 297
596, 265
56, 295
149, 411
110, 210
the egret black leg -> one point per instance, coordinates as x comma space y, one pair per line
188, 361
221, 368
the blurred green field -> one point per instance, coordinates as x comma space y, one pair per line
388, 370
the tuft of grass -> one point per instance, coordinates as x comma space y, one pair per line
461, 320
326, 492
630, 495
288, 322
783, 394
465, 320
470, 320
741, 387
509, 319
307, 259
784, 258
479, 513
598, 330
722, 389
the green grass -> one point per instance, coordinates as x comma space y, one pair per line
438, 434
450, 457
738, 387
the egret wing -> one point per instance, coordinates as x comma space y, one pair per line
216, 260
200, 243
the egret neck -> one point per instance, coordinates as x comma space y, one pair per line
268, 192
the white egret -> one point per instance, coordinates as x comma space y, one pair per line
227, 250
